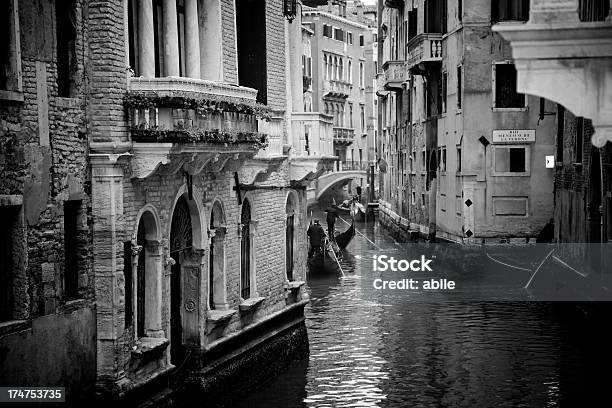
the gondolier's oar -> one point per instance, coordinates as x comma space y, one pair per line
368, 239
335, 257
539, 266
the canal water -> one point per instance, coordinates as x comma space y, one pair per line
369, 349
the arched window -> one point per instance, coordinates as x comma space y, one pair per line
341, 70
216, 272
361, 76
325, 67
330, 67
335, 68
140, 282
349, 74
143, 279
245, 251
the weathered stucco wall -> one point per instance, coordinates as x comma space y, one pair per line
54, 351
43, 160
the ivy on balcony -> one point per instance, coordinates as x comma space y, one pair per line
190, 135
201, 104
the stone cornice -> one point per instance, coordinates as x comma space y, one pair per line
569, 63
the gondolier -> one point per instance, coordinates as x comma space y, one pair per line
317, 236
331, 222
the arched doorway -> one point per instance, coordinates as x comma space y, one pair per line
245, 250
181, 240
216, 265
141, 272
142, 278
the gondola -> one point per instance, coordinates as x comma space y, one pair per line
324, 262
347, 210
345, 238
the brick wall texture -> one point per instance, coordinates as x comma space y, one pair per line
47, 173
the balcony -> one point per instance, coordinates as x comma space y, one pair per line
423, 50
380, 85
196, 125
396, 4
395, 75
568, 43
336, 89
344, 136
312, 151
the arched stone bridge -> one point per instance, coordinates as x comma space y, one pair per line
327, 181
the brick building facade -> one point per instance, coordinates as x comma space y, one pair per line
465, 151
340, 71
153, 161
47, 310
570, 43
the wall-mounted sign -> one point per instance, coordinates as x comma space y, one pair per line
514, 136
550, 162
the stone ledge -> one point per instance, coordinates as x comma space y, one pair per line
13, 96
10, 200
149, 345
14, 326
219, 317
294, 286
251, 304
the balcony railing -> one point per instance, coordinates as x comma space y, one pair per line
336, 89
344, 136
422, 49
170, 86
313, 134
395, 74
182, 110
355, 165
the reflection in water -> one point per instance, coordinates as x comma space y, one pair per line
370, 349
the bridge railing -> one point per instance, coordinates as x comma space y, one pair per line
355, 165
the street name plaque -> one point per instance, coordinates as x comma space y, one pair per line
514, 136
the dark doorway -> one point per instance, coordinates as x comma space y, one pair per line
211, 266
251, 33
289, 246
140, 281
181, 240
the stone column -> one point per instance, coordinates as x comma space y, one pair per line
154, 301
135, 254
146, 42
171, 39
192, 39
107, 208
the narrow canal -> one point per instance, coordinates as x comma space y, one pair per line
374, 350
